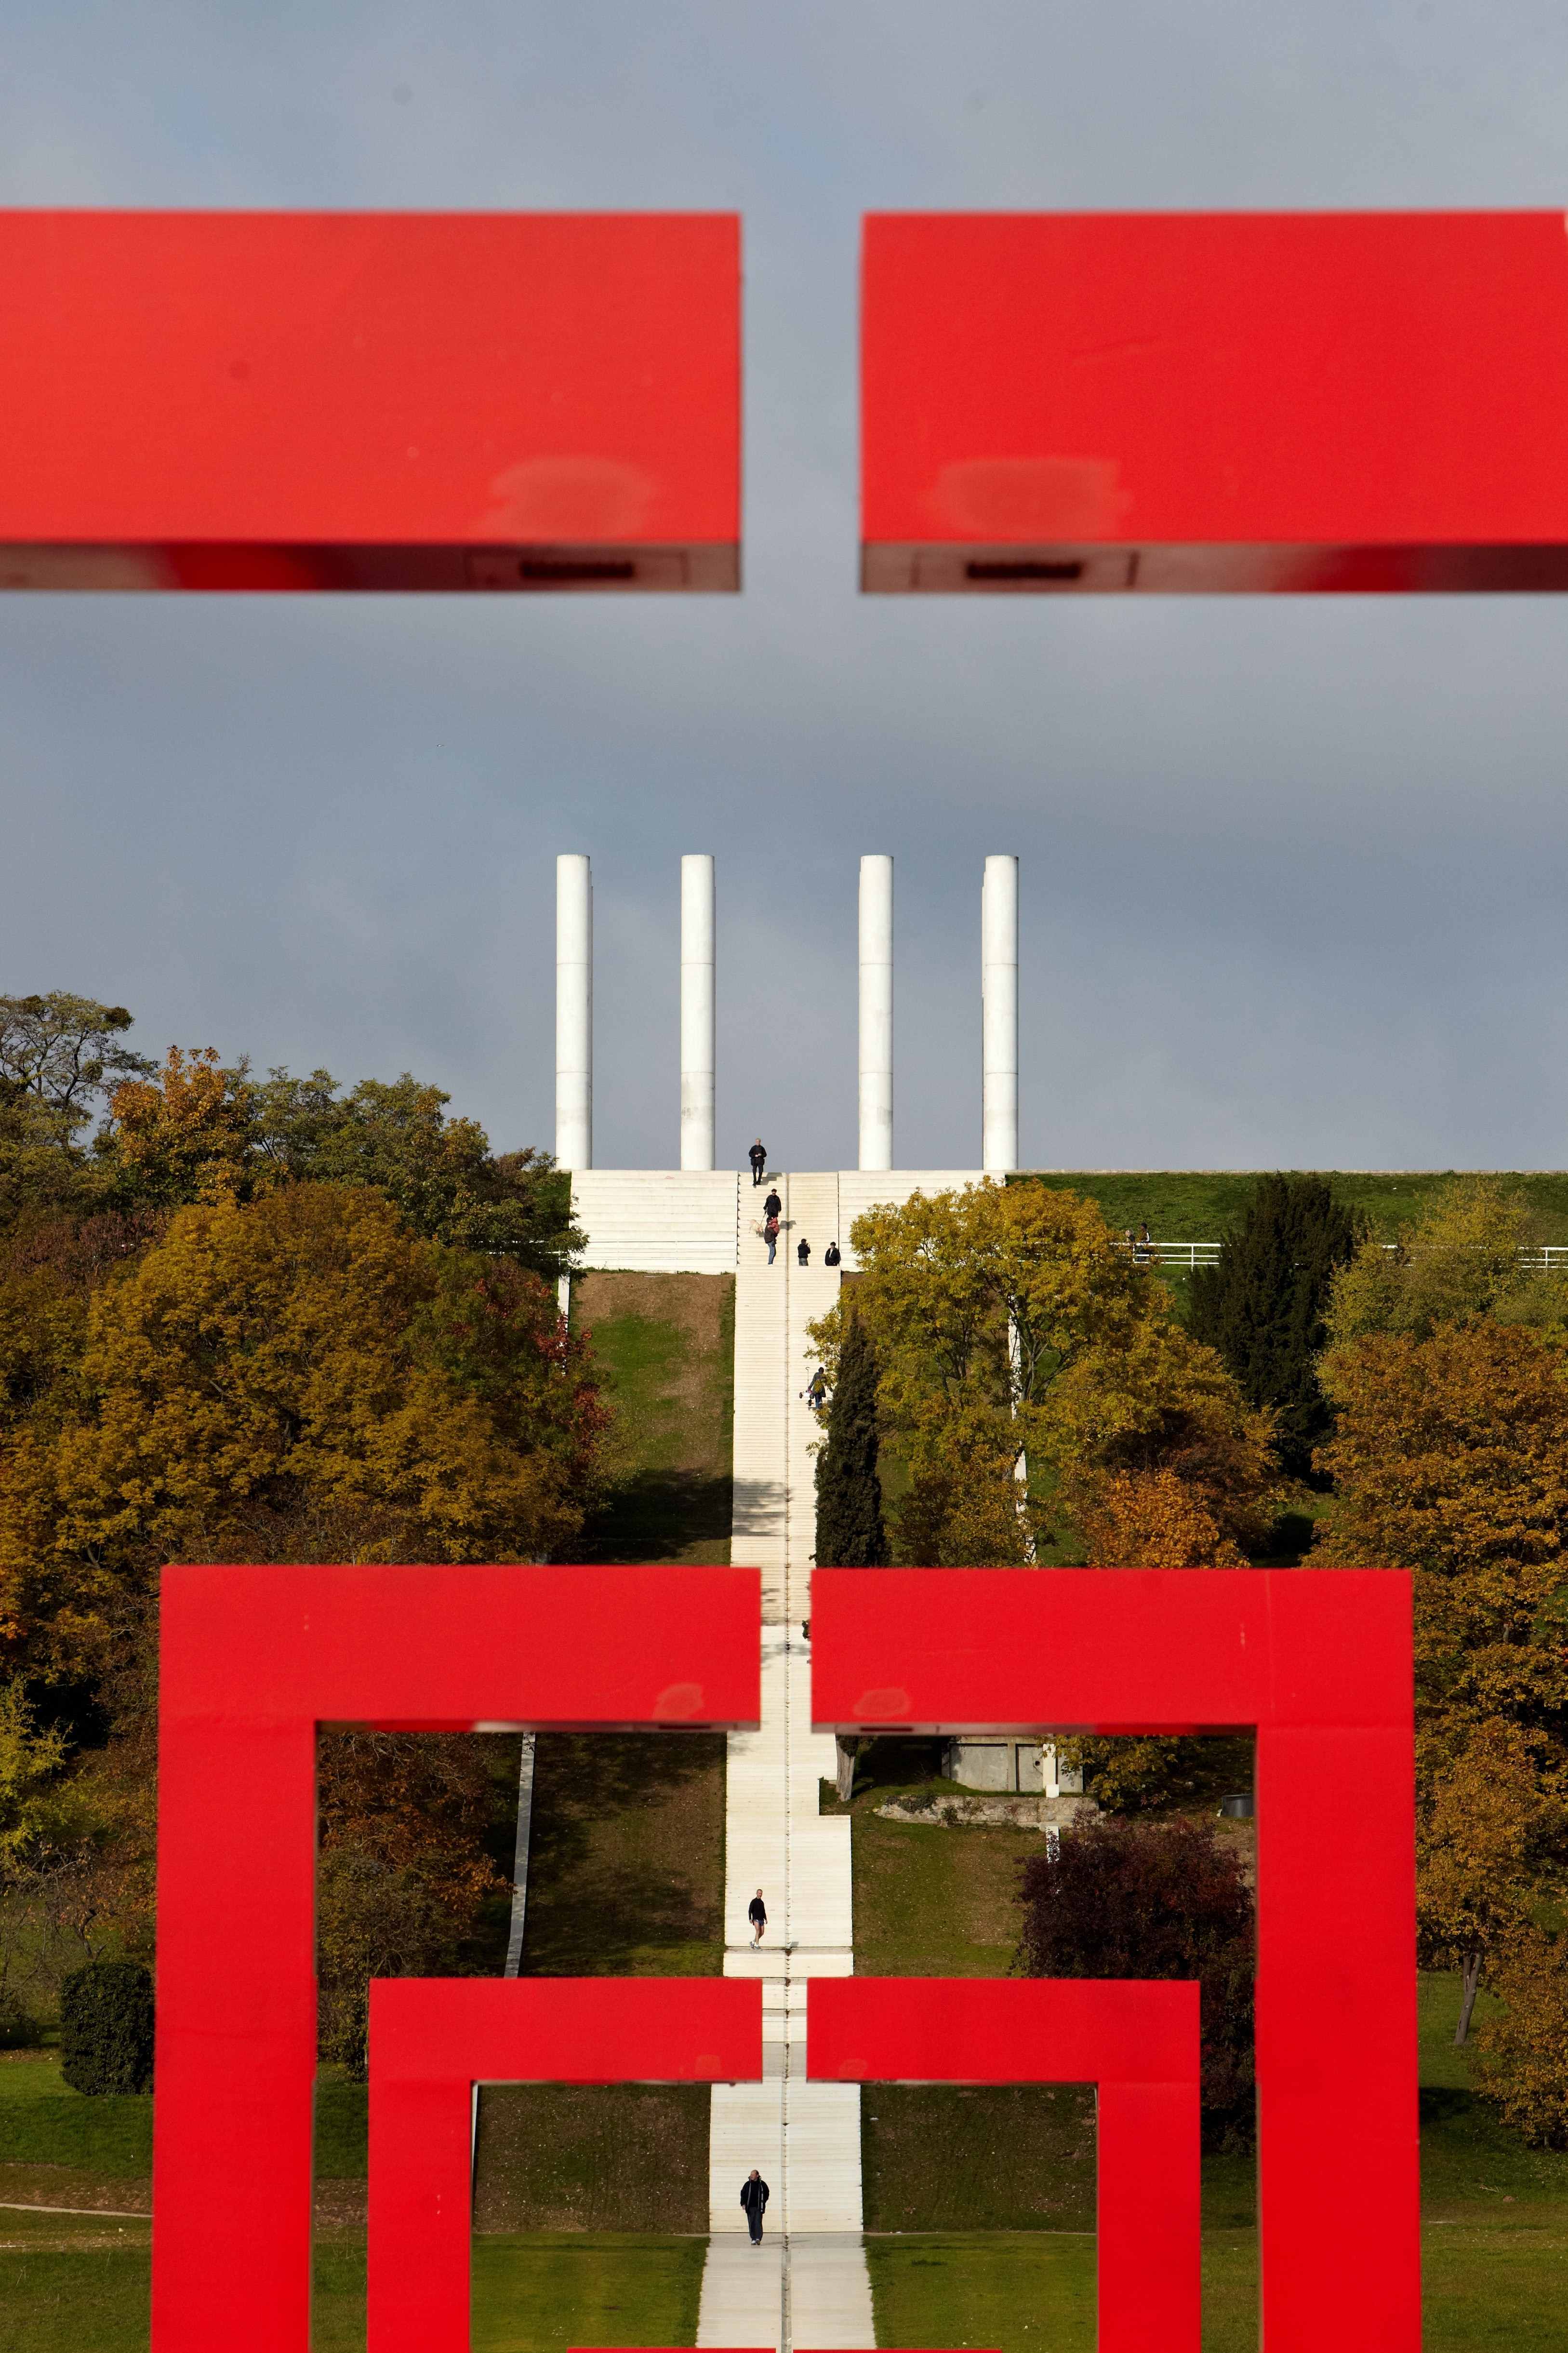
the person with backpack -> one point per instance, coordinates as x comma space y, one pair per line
771, 1236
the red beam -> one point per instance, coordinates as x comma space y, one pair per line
370, 400
1189, 401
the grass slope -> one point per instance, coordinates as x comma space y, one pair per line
566, 2156
625, 1871
666, 1344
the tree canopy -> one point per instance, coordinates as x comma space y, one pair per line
295, 1378
1447, 1369
1035, 1383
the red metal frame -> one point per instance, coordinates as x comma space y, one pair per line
1319, 1662
370, 400
431, 2039
1199, 401
252, 1660
1137, 2042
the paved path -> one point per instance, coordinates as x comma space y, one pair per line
808, 2286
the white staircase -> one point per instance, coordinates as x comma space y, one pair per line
658, 1220
808, 2286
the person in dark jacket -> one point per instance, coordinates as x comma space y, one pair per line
758, 1156
771, 1236
803, 1251
830, 1255
753, 2198
757, 1914
773, 1207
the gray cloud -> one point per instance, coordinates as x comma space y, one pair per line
1293, 873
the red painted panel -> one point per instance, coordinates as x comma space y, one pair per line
252, 1659
431, 2040
307, 400
1368, 401
1138, 2042
1320, 1661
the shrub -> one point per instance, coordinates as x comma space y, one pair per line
106, 2028
18, 2027
1155, 1900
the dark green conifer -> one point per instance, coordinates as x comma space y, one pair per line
1262, 1307
849, 1530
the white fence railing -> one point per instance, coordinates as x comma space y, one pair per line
1548, 1257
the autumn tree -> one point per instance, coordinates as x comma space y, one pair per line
1451, 1460
1492, 1832
1522, 2061
1467, 1255
1262, 1306
405, 1881
200, 1130
1026, 1364
63, 1053
1155, 1900
295, 1378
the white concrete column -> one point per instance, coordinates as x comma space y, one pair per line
697, 1013
999, 1015
875, 1013
574, 1012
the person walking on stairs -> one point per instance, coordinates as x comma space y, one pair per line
773, 1207
753, 2198
803, 1251
758, 1156
771, 1236
757, 1914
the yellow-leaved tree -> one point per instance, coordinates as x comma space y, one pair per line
1448, 1373
1037, 1394
296, 1377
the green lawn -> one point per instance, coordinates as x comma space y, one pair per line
666, 1344
42, 2122
71, 2288
533, 2294
930, 1902
1484, 2287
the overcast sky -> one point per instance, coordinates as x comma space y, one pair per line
1295, 873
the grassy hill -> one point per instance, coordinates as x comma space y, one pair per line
1198, 1205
